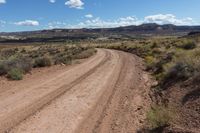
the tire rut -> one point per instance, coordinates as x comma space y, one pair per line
120, 109
16, 116
73, 105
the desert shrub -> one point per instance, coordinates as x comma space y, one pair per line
22, 63
160, 63
159, 116
15, 74
157, 51
85, 54
74, 50
184, 65
187, 44
35, 54
53, 51
63, 60
2, 68
25, 58
178, 72
192, 58
8, 52
42, 62
154, 45
23, 50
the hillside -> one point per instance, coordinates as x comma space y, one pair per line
61, 35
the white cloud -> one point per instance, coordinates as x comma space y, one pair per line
27, 23
56, 24
125, 21
78, 4
132, 20
89, 16
168, 19
99, 23
52, 1
2, 1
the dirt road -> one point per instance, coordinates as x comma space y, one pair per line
106, 93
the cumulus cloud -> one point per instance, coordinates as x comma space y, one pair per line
78, 4
27, 23
89, 16
52, 1
2, 1
168, 19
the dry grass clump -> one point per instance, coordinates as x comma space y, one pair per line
159, 116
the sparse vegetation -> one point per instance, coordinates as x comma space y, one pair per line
159, 116
24, 58
172, 61
165, 58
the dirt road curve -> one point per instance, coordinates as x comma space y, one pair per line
106, 93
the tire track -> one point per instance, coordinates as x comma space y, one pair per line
120, 109
19, 114
72, 107
96, 116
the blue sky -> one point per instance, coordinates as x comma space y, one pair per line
21, 15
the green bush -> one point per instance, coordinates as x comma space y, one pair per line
159, 116
15, 74
43, 62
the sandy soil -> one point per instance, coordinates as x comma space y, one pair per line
106, 93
